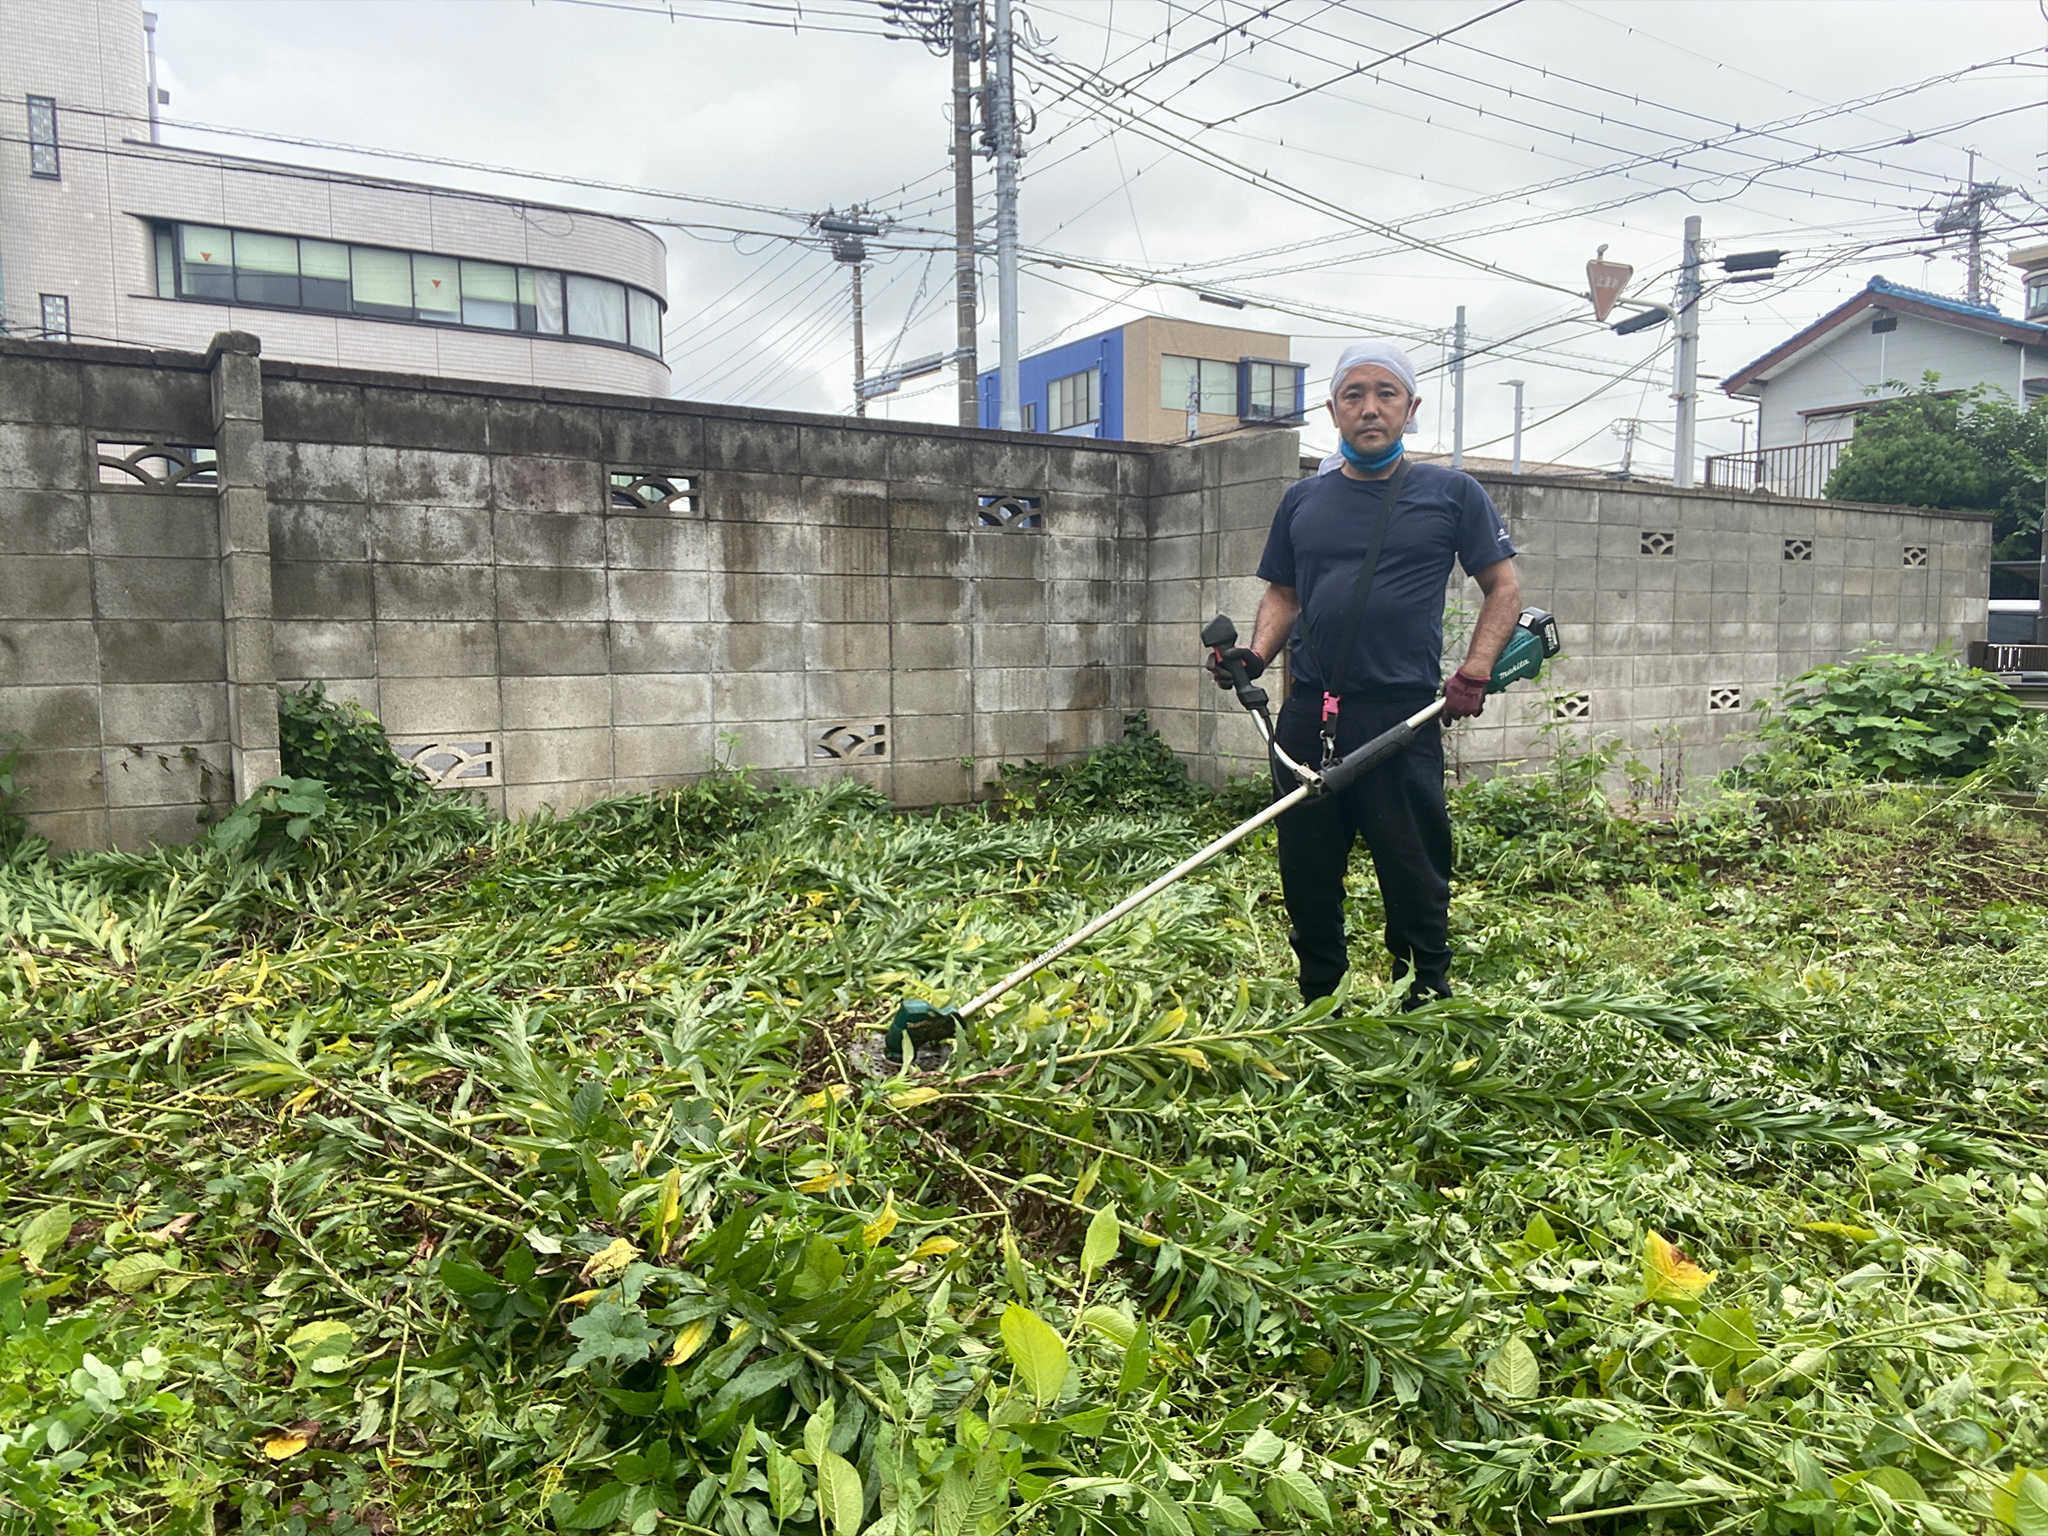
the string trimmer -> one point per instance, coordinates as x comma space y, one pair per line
1535, 641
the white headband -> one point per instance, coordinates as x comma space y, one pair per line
1383, 354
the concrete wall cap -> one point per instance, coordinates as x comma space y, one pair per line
240, 343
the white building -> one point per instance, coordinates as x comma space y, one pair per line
1811, 388
106, 236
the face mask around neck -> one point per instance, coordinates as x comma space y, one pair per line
1368, 466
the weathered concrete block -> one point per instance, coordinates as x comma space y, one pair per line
240, 464
550, 703
431, 535
656, 438
47, 718
426, 419
657, 543
154, 589
1068, 601
852, 453
927, 737
930, 551
642, 647
41, 390
63, 779
319, 531
137, 829
533, 427
301, 410
772, 745
752, 445
757, 696
753, 647
839, 696
1009, 645
663, 752
660, 596
417, 477
158, 651
545, 648
553, 757
550, 593
442, 708
861, 551
849, 599
1000, 690
661, 699
245, 587
1010, 738
46, 587
780, 548
755, 597
43, 522
322, 648
1084, 471
548, 485
190, 775
437, 648
735, 496
931, 783
435, 592
43, 458
1091, 686
36, 651
299, 471
917, 646
324, 590
143, 402
1001, 554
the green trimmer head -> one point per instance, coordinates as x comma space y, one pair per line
921, 1024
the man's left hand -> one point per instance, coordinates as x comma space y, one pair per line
1464, 696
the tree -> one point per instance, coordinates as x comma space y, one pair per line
1969, 450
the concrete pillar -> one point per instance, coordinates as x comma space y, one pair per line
245, 558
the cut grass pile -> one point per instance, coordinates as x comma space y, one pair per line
458, 1177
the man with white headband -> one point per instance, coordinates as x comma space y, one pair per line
1355, 570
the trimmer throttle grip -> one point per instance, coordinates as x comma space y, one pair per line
1220, 636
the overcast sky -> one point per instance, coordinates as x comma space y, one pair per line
1406, 189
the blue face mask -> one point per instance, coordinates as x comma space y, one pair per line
1360, 462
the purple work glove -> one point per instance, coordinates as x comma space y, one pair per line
1219, 664
1464, 696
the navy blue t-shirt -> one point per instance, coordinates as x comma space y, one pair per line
1319, 539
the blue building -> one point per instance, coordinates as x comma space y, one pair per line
1143, 381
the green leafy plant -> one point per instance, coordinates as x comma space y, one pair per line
343, 746
1135, 774
275, 821
1883, 716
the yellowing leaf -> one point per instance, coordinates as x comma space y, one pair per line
689, 1339
818, 1178
1460, 1067
609, 1260
1188, 1054
671, 1199
877, 1231
583, 1298
413, 1000
284, 1447
836, 1093
301, 1099
1668, 1275
913, 1097
933, 1248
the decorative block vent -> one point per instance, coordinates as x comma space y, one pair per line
1722, 696
1658, 542
1799, 549
1913, 556
1008, 509
452, 764
157, 466
849, 741
1572, 706
650, 490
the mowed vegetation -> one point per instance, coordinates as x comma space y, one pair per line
374, 1167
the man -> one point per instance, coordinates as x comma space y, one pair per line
1322, 536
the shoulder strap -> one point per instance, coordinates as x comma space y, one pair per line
1354, 613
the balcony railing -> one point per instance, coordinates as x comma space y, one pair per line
1802, 469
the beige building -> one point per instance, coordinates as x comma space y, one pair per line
1155, 380
109, 236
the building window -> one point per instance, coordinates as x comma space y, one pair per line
1214, 383
56, 317
1073, 401
1030, 415
42, 137
2037, 295
223, 266
1271, 391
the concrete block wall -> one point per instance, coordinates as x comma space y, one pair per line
456, 557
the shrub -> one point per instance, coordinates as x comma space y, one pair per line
343, 746
1132, 775
1881, 716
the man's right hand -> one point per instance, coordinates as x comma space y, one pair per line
1219, 664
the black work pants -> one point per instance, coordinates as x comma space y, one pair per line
1399, 809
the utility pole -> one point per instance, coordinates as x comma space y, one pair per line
849, 250
1628, 444
1195, 403
1012, 418
1458, 394
1965, 215
1516, 384
966, 33
1685, 367
157, 95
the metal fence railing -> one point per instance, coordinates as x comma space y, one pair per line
1800, 469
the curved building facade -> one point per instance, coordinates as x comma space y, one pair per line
106, 236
